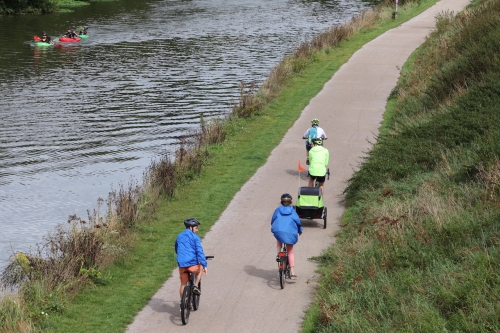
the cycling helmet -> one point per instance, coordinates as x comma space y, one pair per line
191, 222
318, 141
286, 198
315, 122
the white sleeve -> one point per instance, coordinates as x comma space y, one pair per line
321, 133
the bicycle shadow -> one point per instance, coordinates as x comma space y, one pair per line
172, 308
314, 223
270, 276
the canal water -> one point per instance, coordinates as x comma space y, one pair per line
77, 121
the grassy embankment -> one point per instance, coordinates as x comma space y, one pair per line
116, 292
419, 246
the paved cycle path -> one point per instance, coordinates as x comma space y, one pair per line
242, 292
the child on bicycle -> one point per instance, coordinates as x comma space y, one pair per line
190, 255
286, 227
318, 161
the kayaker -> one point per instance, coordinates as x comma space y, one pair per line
82, 31
70, 34
45, 38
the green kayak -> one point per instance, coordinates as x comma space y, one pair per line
43, 44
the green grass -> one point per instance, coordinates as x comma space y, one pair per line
419, 248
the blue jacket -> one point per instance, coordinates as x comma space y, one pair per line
188, 249
285, 225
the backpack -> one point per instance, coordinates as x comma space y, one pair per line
311, 134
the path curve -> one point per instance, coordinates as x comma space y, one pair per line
242, 291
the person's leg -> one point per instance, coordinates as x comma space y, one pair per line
311, 182
184, 279
291, 258
198, 274
196, 270
322, 188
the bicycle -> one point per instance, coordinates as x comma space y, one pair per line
283, 265
189, 299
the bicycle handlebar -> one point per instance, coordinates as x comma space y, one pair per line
209, 257
319, 138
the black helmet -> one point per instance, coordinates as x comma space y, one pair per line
318, 141
44, 33
285, 197
191, 222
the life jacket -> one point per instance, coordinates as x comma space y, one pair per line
311, 134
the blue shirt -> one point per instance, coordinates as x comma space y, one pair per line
188, 249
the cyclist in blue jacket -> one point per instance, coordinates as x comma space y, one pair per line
286, 227
190, 255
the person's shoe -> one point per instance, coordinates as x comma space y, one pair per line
294, 277
277, 258
196, 290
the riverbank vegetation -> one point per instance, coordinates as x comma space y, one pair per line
107, 266
14, 7
419, 249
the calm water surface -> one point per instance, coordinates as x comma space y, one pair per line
78, 120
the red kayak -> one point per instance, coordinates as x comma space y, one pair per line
69, 40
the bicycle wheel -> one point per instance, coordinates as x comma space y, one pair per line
282, 272
186, 303
196, 298
324, 218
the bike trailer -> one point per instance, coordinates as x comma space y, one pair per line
310, 205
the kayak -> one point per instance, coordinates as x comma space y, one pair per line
83, 36
69, 40
43, 44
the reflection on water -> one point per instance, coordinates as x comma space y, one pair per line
78, 119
